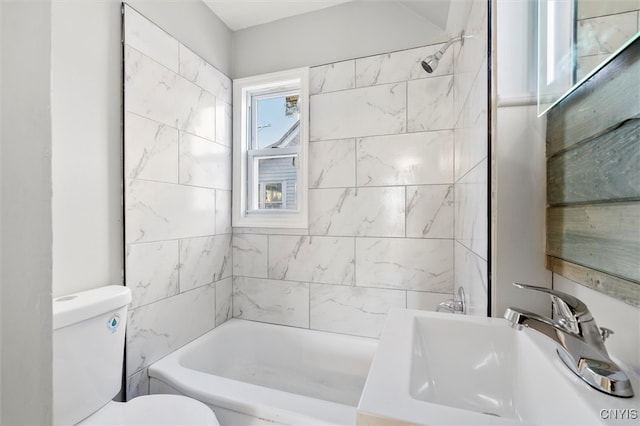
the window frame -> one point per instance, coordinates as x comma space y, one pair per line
245, 91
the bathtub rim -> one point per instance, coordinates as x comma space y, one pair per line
248, 398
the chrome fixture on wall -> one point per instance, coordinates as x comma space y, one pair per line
431, 62
455, 305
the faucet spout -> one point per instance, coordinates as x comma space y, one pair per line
455, 305
451, 306
521, 319
579, 341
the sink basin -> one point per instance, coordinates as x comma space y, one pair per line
478, 376
435, 368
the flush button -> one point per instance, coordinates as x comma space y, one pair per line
114, 323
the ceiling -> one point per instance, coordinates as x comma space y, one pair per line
239, 14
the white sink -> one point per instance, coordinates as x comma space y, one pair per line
433, 368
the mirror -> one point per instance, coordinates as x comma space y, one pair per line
577, 37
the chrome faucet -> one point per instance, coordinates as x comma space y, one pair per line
580, 341
455, 305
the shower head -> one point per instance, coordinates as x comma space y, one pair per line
430, 63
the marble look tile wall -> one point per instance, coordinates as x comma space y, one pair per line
602, 27
395, 156
381, 201
471, 161
177, 155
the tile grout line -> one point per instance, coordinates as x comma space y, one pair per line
172, 126
456, 121
183, 77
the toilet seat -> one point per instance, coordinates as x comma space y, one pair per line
154, 410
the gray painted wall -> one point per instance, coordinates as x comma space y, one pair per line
26, 214
342, 32
519, 177
86, 154
1, 138
516, 41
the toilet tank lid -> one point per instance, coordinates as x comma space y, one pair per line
76, 307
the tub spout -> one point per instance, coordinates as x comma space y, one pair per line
455, 305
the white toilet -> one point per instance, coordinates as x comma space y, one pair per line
88, 352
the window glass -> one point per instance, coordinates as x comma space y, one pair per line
277, 182
276, 121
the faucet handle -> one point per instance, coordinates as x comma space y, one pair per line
605, 333
569, 309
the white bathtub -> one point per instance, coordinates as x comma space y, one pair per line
253, 373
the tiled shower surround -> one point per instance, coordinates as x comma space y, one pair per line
391, 148
471, 219
380, 199
602, 27
398, 196
177, 196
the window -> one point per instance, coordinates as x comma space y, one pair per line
273, 195
270, 138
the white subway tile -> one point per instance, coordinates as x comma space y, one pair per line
605, 34
224, 294
138, 384
332, 77
332, 164
158, 93
204, 260
150, 150
352, 310
312, 259
407, 264
374, 212
152, 271
157, 329
250, 255
426, 301
273, 301
471, 274
430, 104
163, 211
150, 39
406, 159
471, 210
377, 110
593, 8
204, 163
224, 123
205, 75
398, 66
430, 211
223, 212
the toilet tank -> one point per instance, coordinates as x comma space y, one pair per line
88, 351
